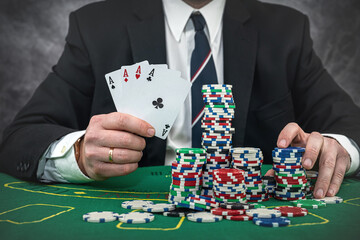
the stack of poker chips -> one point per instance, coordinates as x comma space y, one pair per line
217, 131
186, 173
250, 160
269, 183
289, 174
229, 185
311, 177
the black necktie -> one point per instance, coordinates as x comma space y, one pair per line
202, 72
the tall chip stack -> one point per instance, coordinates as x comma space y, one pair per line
250, 160
289, 174
186, 173
217, 131
229, 185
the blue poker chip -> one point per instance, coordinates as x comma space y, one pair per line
272, 222
287, 159
287, 155
288, 195
185, 179
290, 150
217, 101
288, 164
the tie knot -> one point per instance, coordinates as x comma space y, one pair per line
199, 21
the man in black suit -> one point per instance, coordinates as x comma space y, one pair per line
282, 93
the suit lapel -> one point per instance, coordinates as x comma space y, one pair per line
147, 36
240, 47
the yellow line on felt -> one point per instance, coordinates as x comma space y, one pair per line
82, 196
152, 229
37, 221
352, 199
325, 221
304, 224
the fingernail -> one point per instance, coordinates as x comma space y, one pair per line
151, 132
282, 143
307, 163
320, 193
331, 192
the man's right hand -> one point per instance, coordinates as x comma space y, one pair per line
118, 131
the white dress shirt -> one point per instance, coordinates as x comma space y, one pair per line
58, 164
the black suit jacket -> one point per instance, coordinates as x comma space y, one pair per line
268, 58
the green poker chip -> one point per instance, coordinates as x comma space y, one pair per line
309, 203
190, 150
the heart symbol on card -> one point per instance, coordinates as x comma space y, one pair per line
137, 76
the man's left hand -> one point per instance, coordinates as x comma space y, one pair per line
333, 159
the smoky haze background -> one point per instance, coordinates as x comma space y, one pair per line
32, 34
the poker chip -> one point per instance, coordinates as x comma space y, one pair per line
263, 213
290, 150
291, 211
158, 207
242, 217
272, 222
135, 204
178, 212
227, 212
100, 217
309, 204
330, 200
237, 206
136, 217
203, 217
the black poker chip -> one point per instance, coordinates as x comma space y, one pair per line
179, 212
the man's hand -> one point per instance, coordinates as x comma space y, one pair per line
333, 159
122, 132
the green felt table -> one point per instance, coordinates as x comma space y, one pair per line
39, 211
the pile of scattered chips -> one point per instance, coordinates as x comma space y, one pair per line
229, 185
250, 160
217, 131
186, 173
289, 174
268, 217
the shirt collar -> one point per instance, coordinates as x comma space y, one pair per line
177, 14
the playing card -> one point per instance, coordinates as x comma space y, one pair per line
153, 93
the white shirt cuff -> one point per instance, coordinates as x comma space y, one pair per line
350, 148
60, 164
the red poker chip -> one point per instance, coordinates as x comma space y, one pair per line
217, 95
186, 183
291, 182
216, 137
227, 212
287, 167
243, 217
175, 164
227, 196
291, 211
260, 200
187, 175
254, 182
215, 124
229, 172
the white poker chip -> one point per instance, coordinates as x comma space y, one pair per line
263, 213
330, 200
136, 217
100, 217
311, 174
135, 204
159, 207
202, 217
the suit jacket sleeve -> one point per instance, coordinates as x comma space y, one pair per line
60, 105
319, 103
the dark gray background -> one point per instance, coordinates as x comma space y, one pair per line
32, 36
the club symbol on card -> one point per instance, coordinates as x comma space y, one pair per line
158, 103
151, 74
166, 129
